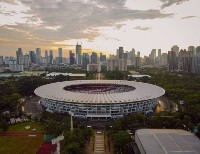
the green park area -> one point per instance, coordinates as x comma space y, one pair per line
22, 144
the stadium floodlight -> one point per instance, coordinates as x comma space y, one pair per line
71, 114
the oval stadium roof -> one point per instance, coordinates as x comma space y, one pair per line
143, 91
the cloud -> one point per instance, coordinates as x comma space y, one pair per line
188, 17
167, 3
46, 22
142, 28
77, 16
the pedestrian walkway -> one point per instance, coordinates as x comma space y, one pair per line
99, 143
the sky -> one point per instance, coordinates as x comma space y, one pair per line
100, 25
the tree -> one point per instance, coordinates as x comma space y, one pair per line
72, 148
4, 125
198, 128
120, 140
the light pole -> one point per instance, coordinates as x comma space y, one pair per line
71, 114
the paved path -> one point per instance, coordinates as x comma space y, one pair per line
99, 143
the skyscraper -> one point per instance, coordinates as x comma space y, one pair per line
116, 64
138, 60
50, 56
192, 50
172, 61
60, 55
38, 55
159, 53
32, 57
175, 49
125, 55
198, 50
121, 53
19, 53
102, 58
71, 58
132, 56
85, 60
46, 57
94, 58
78, 54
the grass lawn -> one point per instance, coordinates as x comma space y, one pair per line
22, 144
20, 128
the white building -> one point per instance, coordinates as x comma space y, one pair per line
166, 141
14, 67
93, 67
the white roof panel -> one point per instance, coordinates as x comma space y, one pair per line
143, 91
168, 141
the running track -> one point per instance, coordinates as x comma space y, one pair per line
20, 134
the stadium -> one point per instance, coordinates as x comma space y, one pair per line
99, 99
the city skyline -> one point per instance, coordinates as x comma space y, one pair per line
100, 25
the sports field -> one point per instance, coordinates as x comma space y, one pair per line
27, 143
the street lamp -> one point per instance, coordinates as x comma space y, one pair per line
71, 114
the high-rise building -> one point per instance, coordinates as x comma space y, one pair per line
138, 60
102, 58
38, 55
152, 56
132, 56
117, 53
116, 64
6, 60
138, 54
94, 58
50, 56
192, 50
188, 61
121, 53
60, 55
125, 55
85, 60
159, 52
14, 67
1, 60
24, 60
32, 57
46, 57
198, 50
175, 49
172, 61
71, 58
78, 54
163, 59
19, 53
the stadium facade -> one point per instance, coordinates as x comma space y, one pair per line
94, 99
